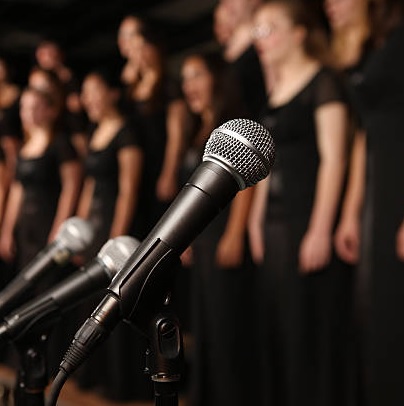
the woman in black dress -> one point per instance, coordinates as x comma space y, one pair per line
109, 200
154, 104
379, 210
232, 24
47, 182
10, 134
350, 47
304, 288
221, 311
43, 194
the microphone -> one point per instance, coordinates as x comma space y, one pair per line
238, 154
73, 237
97, 274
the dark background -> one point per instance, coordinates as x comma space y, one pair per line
87, 29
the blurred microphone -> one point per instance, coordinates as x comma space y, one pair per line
237, 155
73, 237
97, 274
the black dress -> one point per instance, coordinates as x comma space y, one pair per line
303, 323
222, 369
116, 368
247, 73
40, 178
103, 166
149, 118
381, 99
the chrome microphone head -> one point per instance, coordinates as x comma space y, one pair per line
75, 234
243, 147
116, 251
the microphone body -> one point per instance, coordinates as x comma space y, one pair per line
97, 274
74, 236
232, 161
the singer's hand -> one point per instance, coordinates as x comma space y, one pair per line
187, 257
7, 247
256, 241
347, 240
315, 251
400, 242
78, 260
230, 251
166, 188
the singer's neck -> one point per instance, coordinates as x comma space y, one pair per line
288, 77
347, 44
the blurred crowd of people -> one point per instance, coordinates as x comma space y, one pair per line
296, 290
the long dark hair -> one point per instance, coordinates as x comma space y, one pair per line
385, 16
227, 103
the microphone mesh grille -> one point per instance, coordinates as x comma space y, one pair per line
245, 146
116, 251
75, 234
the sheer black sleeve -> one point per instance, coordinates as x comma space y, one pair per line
329, 88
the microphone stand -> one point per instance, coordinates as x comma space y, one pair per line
146, 309
164, 358
32, 375
153, 316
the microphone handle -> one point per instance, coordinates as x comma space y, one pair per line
44, 311
11, 295
209, 189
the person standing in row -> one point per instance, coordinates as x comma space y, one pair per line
43, 193
47, 182
109, 201
232, 24
155, 105
373, 228
49, 55
220, 265
10, 134
348, 21
304, 288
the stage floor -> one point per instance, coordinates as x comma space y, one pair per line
69, 396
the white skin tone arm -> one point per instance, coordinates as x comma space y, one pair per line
84, 205
13, 205
230, 250
347, 238
130, 165
256, 220
400, 242
316, 246
3, 188
167, 185
70, 173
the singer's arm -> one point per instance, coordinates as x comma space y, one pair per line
3, 187
256, 220
86, 195
331, 135
130, 161
70, 175
167, 185
230, 250
14, 200
347, 239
